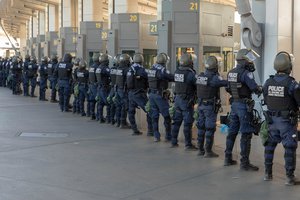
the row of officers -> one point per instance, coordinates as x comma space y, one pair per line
127, 85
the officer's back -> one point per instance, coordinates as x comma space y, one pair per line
64, 68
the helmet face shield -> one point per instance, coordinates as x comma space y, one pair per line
251, 56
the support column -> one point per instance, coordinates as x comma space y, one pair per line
278, 32
92, 10
41, 23
53, 18
66, 14
296, 39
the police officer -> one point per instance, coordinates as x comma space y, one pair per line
112, 94
8, 73
137, 85
92, 93
280, 94
31, 76
4, 76
75, 87
43, 71
64, 74
26, 79
16, 72
241, 85
82, 78
159, 78
52, 78
185, 87
209, 103
103, 80
122, 93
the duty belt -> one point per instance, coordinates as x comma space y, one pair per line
156, 91
207, 102
285, 113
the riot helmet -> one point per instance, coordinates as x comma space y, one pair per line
96, 57
14, 59
138, 58
125, 59
54, 58
103, 58
284, 62
33, 59
45, 59
247, 54
162, 59
82, 64
67, 58
213, 63
27, 57
76, 61
116, 60
187, 60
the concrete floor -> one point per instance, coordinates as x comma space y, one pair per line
101, 162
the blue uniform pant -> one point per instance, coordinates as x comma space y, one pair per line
16, 81
92, 98
64, 94
122, 106
82, 96
240, 121
103, 93
53, 83
160, 105
206, 125
138, 100
4, 79
183, 112
112, 105
281, 130
29, 81
43, 87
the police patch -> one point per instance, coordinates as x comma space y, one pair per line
232, 77
113, 71
91, 70
202, 80
80, 74
179, 78
151, 73
29, 66
250, 75
276, 91
62, 66
119, 72
49, 65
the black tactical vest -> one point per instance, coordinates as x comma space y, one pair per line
63, 71
81, 76
278, 98
204, 90
43, 71
113, 75
32, 70
92, 75
134, 83
121, 77
181, 85
238, 89
50, 68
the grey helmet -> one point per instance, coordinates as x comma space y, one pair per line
247, 55
283, 62
212, 63
14, 59
138, 58
33, 59
162, 58
45, 59
27, 57
96, 57
82, 64
67, 58
54, 58
186, 60
125, 59
103, 58
116, 60
76, 61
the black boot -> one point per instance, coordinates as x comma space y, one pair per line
208, 148
201, 146
268, 173
136, 132
228, 161
290, 180
245, 152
